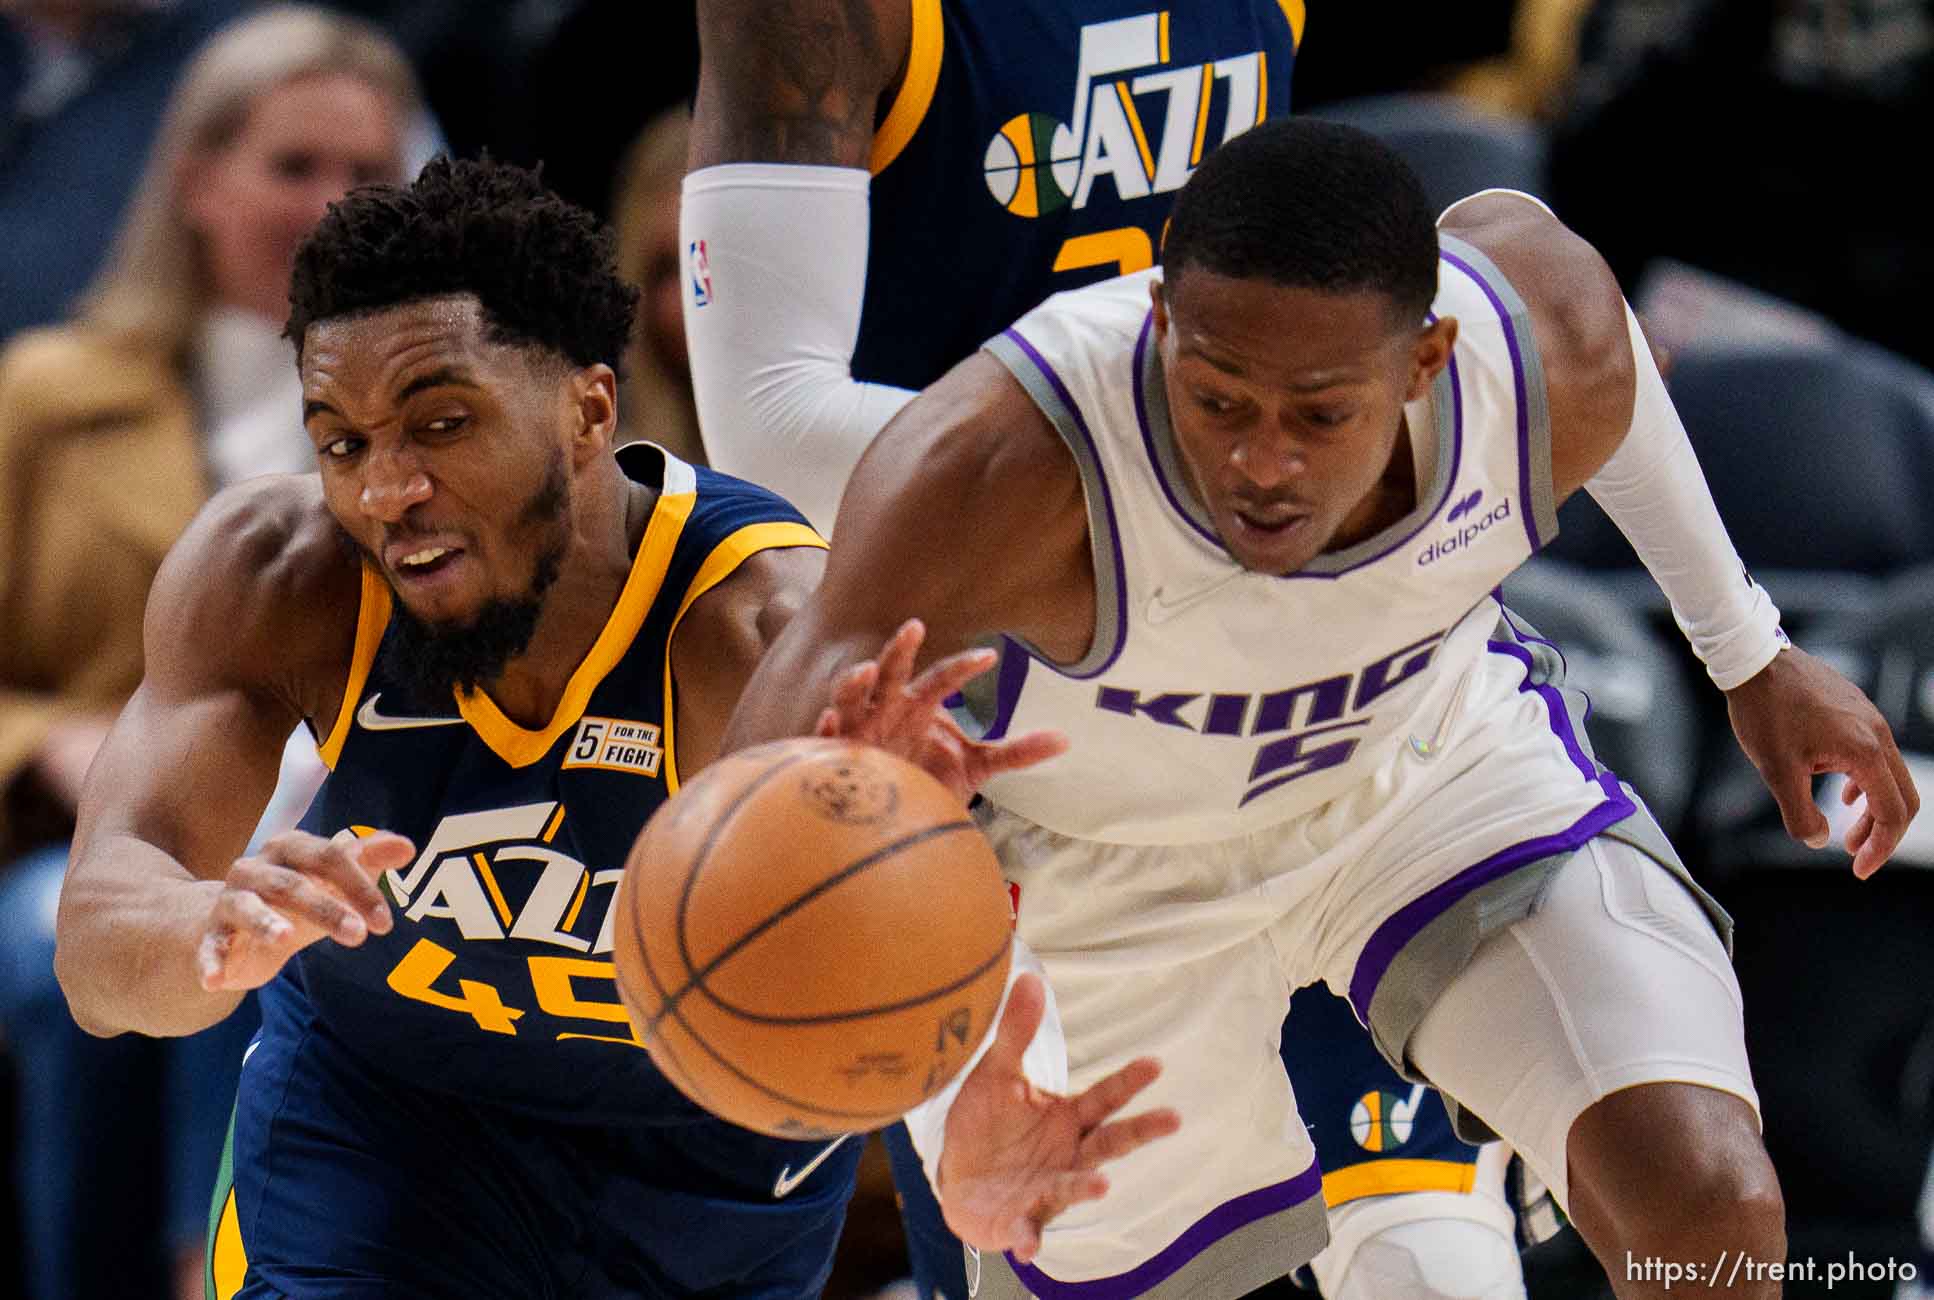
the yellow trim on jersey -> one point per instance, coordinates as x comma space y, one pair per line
519, 746
1135, 124
490, 883
1202, 112
372, 616
1161, 40
557, 820
1262, 86
928, 44
732, 551
229, 1267
1294, 11
1382, 1177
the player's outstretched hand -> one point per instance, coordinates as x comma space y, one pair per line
1016, 1156
1797, 718
298, 889
881, 702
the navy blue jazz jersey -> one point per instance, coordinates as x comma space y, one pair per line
472, 1073
1035, 145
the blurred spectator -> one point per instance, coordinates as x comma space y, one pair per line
82, 85
656, 395
1761, 142
171, 380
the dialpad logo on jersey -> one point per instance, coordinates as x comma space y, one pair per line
493, 876
1144, 132
1319, 716
616, 746
1472, 525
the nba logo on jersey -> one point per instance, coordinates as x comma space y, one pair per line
701, 274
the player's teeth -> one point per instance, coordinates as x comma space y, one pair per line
426, 556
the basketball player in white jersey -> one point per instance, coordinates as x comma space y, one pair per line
1241, 521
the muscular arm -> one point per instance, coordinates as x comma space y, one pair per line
248, 629
721, 640
967, 513
796, 81
789, 94
1615, 433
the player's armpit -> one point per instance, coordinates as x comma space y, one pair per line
794, 80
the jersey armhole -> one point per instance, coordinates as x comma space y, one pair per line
372, 617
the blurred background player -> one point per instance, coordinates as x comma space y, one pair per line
170, 382
878, 188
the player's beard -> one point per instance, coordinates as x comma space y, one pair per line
429, 659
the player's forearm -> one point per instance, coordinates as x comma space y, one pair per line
1653, 489
775, 261
131, 918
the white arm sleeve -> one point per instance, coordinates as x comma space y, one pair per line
1045, 1063
1655, 492
775, 271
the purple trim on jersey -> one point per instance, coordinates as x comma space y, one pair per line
1409, 920
1107, 504
1519, 386
1196, 1238
1007, 688
1148, 434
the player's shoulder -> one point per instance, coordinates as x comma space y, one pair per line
1110, 309
262, 572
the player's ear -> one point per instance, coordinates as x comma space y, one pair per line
1430, 353
594, 397
1158, 299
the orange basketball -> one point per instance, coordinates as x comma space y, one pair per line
812, 937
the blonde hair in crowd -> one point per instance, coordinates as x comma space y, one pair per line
154, 285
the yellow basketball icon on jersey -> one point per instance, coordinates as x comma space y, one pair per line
1023, 174
1381, 1120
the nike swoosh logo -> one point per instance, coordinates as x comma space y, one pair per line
783, 1185
1161, 607
369, 719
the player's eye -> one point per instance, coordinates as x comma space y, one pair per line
340, 448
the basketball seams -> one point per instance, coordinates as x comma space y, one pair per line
860, 1013
696, 977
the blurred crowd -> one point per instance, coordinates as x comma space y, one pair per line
1744, 167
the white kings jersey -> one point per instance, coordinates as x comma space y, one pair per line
1214, 701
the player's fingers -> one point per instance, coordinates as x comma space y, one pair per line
898, 654
1792, 787
941, 679
1026, 1003
1022, 751
828, 724
341, 868
1113, 1141
297, 897
853, 692
1858, 833
1887, 807
240, 921
1112, 1093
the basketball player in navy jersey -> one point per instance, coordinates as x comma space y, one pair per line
1241, 521
881, 185
511, 645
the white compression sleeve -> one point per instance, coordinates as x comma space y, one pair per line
1045, 1063
1655, 492
772, 314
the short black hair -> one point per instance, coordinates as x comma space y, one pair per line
1311, 205
543, 270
